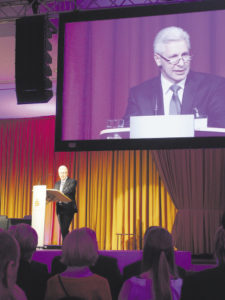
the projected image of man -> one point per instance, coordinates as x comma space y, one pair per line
177, 89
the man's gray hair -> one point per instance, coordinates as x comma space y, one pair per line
167, 35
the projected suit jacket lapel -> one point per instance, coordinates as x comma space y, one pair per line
157, 97
190, 92
152, 102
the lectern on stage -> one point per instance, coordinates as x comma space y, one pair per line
41, 196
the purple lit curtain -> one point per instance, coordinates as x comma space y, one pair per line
103, 59
195, 181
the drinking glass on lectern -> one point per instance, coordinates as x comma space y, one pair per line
119, 123
116, 123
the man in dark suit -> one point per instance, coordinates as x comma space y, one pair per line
65, 211
177, 90
210, 283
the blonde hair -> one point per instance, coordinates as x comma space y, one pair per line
80, 248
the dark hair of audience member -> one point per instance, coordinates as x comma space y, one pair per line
148, 230
158, 256
220, 245
223, 220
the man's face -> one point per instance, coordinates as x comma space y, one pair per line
63, 172
172, 50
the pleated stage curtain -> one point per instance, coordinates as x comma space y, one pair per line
119, 192
195, 180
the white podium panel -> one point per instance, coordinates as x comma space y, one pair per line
162, 126
38, 212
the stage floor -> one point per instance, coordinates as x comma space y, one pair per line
124, 258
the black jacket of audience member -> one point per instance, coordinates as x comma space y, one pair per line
32, 278
105, 266
208, 284
135, 269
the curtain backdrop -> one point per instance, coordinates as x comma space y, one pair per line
195, 180
118, 191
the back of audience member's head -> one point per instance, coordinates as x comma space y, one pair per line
9, 260
80, 248
220, 245
158, 257
27, 239
148, 230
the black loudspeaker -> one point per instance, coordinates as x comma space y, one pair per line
4, 222
32, 63
15, 221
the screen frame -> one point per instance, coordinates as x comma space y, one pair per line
126, 144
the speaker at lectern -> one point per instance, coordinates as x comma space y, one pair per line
41, 196
170, 126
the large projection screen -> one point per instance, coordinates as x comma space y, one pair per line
104, 54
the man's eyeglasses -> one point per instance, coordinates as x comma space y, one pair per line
175, 60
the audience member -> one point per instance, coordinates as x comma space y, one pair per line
79, 252
105, 266
223, 220
32, 276
135, 268
210, 283
9, 261
159, 279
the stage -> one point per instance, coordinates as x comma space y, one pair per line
124, 258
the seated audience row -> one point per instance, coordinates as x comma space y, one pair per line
158, 257
81, 273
